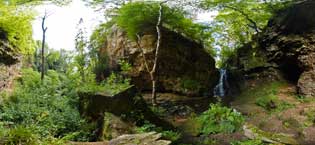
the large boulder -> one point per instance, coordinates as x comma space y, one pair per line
127, 104
289, 41
184, 66
287, 44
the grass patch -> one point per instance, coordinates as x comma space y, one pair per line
283, 106
267, 102
260, 90
266, 96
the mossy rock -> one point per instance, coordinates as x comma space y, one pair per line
253, 132
127, 104
151, 138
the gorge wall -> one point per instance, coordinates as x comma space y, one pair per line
286, 48
183, 65
9, 66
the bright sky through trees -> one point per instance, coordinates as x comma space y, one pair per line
62, 23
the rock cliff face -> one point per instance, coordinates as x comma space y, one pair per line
7, 75
9, 67
287, 45
184, 66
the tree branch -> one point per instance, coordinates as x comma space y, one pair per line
247, 17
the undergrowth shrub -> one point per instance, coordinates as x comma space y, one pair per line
49, 108
16, 23
21, 135
219, 119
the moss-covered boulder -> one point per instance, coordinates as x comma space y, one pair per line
126, 104
253, 132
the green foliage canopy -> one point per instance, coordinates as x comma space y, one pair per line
24, 2
16, 25
238, 20
139, 17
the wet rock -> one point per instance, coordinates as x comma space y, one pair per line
184, 66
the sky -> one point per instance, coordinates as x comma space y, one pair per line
62, 23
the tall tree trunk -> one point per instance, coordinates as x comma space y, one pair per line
154, 71
44, 29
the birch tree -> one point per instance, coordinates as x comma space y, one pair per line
153, 71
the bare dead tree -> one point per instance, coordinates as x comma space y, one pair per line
44, 29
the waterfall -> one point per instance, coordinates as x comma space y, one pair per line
219, 89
